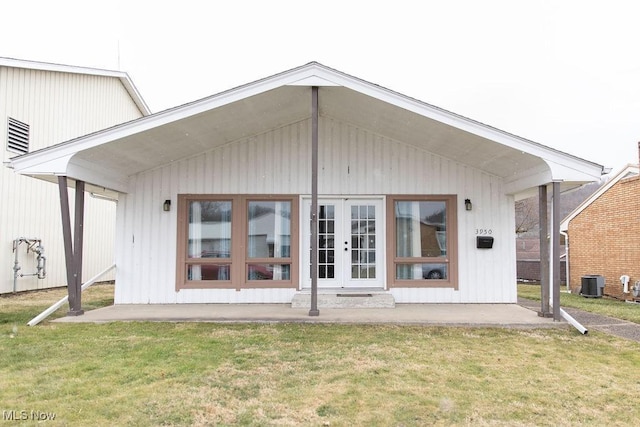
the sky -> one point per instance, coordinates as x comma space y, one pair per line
563, 73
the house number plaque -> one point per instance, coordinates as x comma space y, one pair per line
484, 231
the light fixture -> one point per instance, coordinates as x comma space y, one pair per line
467, 204
166, 206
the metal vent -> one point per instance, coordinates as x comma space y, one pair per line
18, 136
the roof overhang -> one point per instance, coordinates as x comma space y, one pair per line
109, 157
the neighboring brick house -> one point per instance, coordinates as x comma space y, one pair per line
604, 235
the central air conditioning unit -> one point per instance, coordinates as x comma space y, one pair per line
592, 286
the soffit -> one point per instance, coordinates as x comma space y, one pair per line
425, 133
284, 105
201, 132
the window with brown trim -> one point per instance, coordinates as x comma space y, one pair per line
422, 241
239, 241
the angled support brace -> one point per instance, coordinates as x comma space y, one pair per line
73, 248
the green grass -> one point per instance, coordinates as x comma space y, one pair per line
606, 306
149, 374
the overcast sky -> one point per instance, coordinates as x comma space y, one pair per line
563, 73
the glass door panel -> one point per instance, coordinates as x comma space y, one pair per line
350, 249
364, 228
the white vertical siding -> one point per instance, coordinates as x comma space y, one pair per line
57, 107
352, 161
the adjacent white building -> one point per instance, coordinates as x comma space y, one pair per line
215, 196
41, 105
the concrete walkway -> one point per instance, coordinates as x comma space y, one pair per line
494, 315
595, 322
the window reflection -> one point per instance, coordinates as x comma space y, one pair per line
422, 271
421, 229
269, 230
209, 229
421, 235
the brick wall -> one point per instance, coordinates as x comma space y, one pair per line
604, 239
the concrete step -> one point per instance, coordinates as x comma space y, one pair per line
349, 299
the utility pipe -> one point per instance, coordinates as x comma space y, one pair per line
40, 317
16, 265
566, 259
573, 322
41, 259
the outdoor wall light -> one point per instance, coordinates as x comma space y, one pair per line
467, 204
166, 206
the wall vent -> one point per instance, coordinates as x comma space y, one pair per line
17, 136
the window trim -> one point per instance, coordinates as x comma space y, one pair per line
451, 204
239, 259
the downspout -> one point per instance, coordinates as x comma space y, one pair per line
566, 258
40, 317
566, 316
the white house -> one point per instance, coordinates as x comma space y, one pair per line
215, 197
43, 104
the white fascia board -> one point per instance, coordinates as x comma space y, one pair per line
574, 170
135, 95
51, 166
564, 224
89, 173
60, 68
313, 81
550, 172
77, 169
530, 178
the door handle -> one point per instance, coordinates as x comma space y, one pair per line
346, 246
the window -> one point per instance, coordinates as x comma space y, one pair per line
237, 241
17, 136
209, 240
269, 240
422, 241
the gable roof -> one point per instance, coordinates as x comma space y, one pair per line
45, 66
108, 157
626, 172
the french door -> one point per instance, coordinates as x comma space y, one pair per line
350, 243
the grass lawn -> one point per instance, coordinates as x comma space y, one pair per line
305, 374
605, 306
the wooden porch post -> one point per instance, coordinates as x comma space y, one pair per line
314, 202
73, 258
78, 239
544, 252
555, 242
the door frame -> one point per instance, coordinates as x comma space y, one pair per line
381, 247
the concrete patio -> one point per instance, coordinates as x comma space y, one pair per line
492, 315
